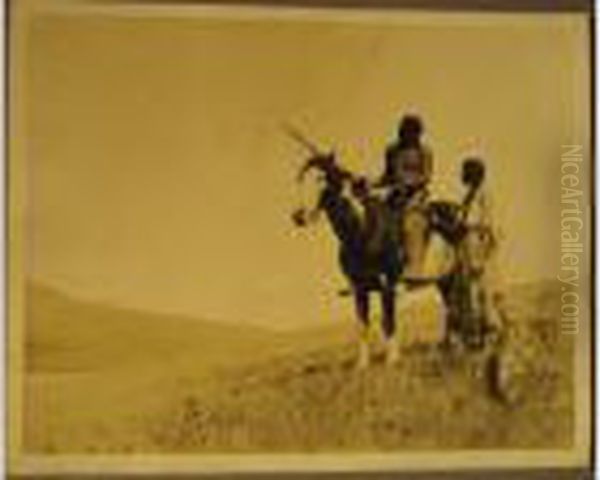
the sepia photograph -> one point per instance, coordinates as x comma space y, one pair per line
298, 239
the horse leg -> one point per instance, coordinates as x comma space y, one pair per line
361, 299
388, 304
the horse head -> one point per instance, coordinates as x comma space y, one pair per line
332, 178
324, 163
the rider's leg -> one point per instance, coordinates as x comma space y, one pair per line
361, 298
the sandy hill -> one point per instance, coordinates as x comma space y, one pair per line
110, 380
67, 335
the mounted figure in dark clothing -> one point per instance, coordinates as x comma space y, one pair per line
407, 172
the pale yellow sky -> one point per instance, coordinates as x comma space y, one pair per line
159, 177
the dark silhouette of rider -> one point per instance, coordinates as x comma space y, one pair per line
408, 164
407, 172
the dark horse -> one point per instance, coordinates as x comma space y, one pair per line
369, 256
372, 257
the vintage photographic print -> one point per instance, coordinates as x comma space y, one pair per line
298, 239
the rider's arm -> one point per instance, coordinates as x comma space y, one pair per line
389, 169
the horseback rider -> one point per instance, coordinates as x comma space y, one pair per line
407, 173
408, 163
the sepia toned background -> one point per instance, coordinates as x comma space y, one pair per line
153, 183
160, 176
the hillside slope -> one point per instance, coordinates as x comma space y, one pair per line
68, 335
317, 401
93, 369
111, 380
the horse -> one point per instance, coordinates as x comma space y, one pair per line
380, 265
369, 258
